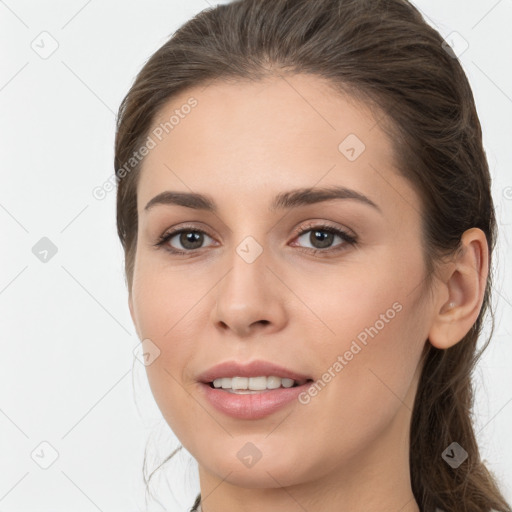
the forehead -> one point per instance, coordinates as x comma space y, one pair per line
248, 140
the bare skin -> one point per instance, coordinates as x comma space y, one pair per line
347, 449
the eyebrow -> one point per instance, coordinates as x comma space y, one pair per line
285, 200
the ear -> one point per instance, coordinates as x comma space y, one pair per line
462, 291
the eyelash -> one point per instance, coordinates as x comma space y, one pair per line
347, 239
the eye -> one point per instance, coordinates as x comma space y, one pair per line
189, 239
322, 237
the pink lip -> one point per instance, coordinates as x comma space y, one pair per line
257, 368
256, 405
251, 406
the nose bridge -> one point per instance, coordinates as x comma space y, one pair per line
246, 297
244, 286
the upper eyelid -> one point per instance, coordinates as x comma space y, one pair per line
322, 225
297, 231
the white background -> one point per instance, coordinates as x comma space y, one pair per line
68, 374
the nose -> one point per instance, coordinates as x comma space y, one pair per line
250, 299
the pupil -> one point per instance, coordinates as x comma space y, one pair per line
323, 237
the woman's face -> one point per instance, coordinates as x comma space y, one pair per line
352, 317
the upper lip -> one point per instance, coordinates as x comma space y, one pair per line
255, 368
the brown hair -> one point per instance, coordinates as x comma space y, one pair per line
381, 51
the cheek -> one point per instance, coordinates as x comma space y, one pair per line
369, 302
377, 329
166, 300
173, 309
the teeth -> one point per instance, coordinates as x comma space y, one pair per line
253, 383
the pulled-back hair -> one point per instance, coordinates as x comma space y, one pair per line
382, 52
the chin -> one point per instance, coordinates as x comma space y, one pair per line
278, 469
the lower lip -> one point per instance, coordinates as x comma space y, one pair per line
251, 406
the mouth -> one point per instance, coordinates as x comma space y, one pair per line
238, 398
251, 390
254, 385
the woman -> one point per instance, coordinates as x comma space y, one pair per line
304, 204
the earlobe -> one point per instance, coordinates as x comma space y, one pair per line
465, 284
